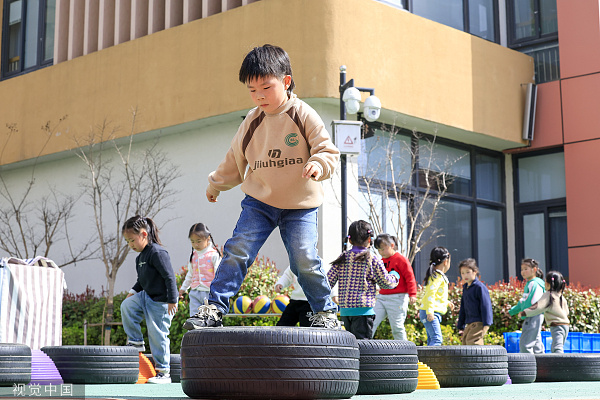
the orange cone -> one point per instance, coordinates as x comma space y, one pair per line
146, 369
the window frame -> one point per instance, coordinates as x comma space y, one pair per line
41, 40
408, 5
539, 38
472, 200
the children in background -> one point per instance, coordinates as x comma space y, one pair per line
435, 298
531, 336
280, 155
358, 272
393, 303
555, 309
298, 310
475, 316
153, 297
204, 261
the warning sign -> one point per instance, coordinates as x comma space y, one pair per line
347, 136
349, 141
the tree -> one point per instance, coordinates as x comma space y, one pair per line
139, 182
33, 226
415, 179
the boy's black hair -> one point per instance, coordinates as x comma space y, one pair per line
137, 223
437, 256
201, 230
557, 284
387, 239
267, 60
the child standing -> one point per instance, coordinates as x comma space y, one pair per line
531, 336
153, 297
358, 272
475, 316
298, 310
204, 261
279, 155
555, 309
435, 298
393, 303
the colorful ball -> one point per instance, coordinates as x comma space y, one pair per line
242, 305
262, 304
279, 303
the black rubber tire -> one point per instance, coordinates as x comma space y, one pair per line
570, 367
463, 366
174, 364
15, 364
522, 367
387, 367
269, 363
95, 364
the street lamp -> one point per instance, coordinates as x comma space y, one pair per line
350, 103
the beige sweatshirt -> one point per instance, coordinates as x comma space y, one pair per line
555, 314
269, 152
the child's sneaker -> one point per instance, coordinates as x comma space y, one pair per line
161, 377
325, 319
139, 346
207, 315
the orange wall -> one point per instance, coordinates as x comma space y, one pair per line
581, 105
583, 265
579, 37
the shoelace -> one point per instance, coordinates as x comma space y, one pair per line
205, 311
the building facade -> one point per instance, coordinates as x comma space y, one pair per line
455, 72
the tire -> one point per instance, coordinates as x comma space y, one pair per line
567, 367
461, 366
269, 363
174, 364
522, 367
95, 364
15, 364
387, 367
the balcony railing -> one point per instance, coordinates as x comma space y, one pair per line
547, 62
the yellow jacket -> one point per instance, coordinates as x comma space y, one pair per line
435, 298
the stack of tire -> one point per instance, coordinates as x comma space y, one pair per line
463, 366
15, 364
269, 363
388, 367
95, 364
568, 367
522, 367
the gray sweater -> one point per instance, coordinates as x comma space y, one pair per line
554, 314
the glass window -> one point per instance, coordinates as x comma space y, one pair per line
453, 225
524, 19
436, 158
386, 157
548, 17
49, 33
447, 12
481, 19
541, 177
488, 171
490, 246
532, 19
534, 238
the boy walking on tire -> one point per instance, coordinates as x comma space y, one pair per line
280, 155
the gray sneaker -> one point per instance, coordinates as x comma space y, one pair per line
138, 346
161, 377
325, 319
208, 315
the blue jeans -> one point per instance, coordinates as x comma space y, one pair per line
433, 328
299, 233
158, 321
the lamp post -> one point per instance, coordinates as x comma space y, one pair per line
350, 97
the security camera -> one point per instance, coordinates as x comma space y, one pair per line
352, 99
372, 108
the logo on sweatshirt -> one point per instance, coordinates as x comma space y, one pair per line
275, 160
292, 139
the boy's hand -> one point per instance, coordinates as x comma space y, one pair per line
311, 171
451, 305
278, 287
412, 299
211, 198
181, 292
429, 317
172, 308
129, 295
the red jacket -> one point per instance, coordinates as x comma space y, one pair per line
407, 282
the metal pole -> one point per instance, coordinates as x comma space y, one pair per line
343, 160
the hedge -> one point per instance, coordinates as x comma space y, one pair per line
584, 306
